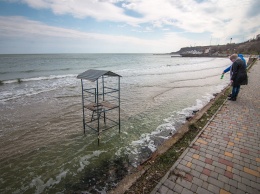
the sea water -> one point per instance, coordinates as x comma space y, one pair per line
42, 145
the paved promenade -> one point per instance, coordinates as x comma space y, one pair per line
225, 157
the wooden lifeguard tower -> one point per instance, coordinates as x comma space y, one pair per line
100, 100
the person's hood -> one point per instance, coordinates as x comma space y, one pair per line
239, 60
240, 55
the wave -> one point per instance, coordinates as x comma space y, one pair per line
192, 79
35, 71
178, 87
3, 72
18, 80
175, 72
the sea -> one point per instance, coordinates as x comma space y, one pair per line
43, 148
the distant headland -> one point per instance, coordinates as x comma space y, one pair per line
250, 47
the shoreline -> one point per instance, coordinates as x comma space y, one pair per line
129, 180
132, 179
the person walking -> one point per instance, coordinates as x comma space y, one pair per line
238, 75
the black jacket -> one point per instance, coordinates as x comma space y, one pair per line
239, 75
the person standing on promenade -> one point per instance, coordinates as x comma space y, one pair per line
228, 69
238, 75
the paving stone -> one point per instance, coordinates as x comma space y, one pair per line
178, 188
170, 192
188, 158
240, 192
170, 184
236, 152
195, 173
252, 172
226, 187
253, 164
172, 178
184, 183
199, 168
183, 168
247, 160
233, 189
202, 190
205, 185
215, 158
183, 162
237, 178
229, 174
255, 185
226, 162
248, 176
216, 182
246, 181
238, 167
217, 164
219, 170
199, 163
233, 183
186, 191
242, 186
214, 174
210, 167
194, 188
163, 189
213, 188
250, 190
206, 171
223, 178
197, 181
238, 157
188, 177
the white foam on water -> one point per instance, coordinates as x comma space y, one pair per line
51, 77
84, 161
148, 139
200, 103
34, 86
39, 184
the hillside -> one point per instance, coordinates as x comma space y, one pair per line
248, 47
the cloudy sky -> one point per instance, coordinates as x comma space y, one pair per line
124, 26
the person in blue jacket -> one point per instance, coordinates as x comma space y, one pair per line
238, 75
229, 67
241, 57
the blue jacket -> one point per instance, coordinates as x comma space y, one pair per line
241, 57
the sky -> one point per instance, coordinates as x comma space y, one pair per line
124, 26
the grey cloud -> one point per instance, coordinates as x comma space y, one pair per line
253, 9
